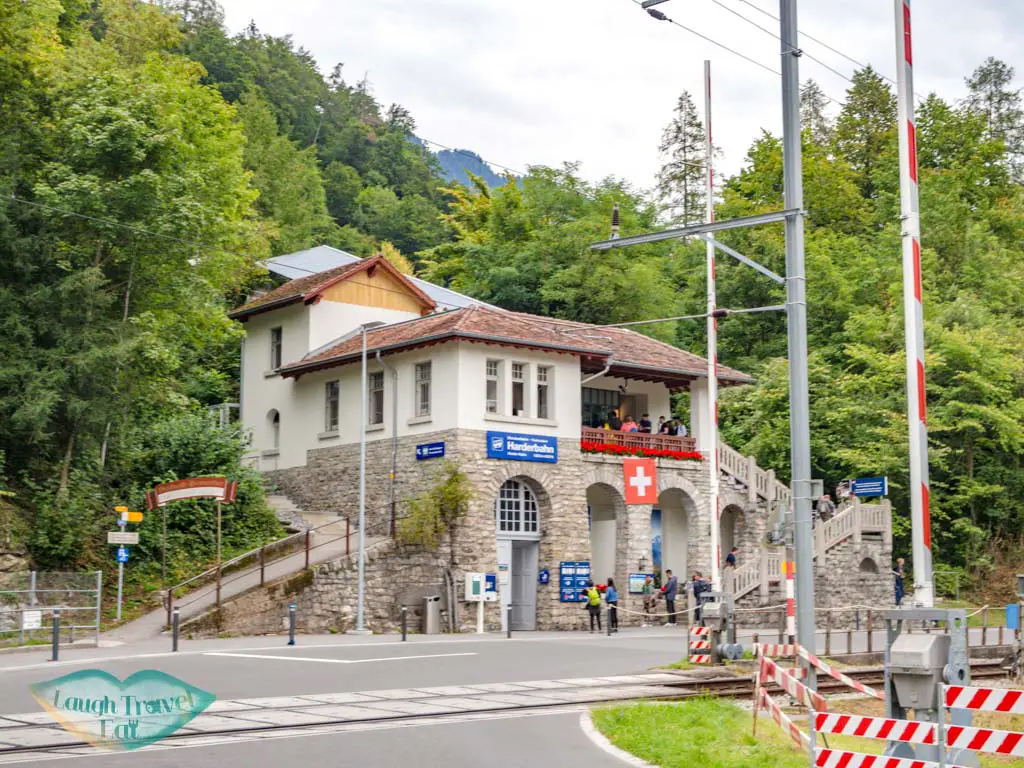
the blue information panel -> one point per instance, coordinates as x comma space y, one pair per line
430, 451
512, 445
636, 582
122, 554
1013, 616
572, 580
870, 486
490, 582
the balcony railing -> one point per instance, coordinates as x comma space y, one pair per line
639, 440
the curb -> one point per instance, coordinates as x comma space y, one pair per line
599, 740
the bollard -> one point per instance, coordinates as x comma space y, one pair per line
56, 635
291, 625
849, 641
1000, 634
262, 565
307, 548
782, 627
871, 643
757, 639
984, 625
508, 622
169, 597
609, 621
856, 619
828, 633
404, 622
348, 534
175, 623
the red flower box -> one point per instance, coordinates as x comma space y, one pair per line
588, 446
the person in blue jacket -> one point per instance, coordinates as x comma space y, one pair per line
611, 596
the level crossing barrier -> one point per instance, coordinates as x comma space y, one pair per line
700, 645
1003, 701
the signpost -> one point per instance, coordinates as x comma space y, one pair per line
866, 487
123, 538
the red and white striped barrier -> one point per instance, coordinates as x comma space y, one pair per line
985, 740
700, 631
775, 649
1005, 700
700, 658
836, 758
787, 682
910, 731
700, 645
784, 722
810, 658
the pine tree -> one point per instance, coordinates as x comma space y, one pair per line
812, 113
991, 93
681, 180
866, 129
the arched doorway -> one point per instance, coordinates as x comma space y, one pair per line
604, 504
517, 520
274, 422
675, 507
728, 527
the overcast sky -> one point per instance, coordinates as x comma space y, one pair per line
546, 81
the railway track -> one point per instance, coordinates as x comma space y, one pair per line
727, 686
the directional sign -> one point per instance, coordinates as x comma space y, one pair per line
870, 486
429, 451
122, 554
121, 509
135, 517
120, 537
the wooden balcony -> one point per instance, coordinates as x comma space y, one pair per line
638, 440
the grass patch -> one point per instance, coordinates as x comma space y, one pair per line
700, 732
683, 663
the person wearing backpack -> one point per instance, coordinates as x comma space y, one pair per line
593, 596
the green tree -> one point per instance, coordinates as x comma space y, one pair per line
682, 180
991, 93
865, 132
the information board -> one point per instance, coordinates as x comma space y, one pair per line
636, 582
572, 580
430, 451
512, 445
870, 486
31, 619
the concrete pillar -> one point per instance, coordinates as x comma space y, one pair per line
752, 482
700, 423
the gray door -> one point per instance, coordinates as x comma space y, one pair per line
524, 584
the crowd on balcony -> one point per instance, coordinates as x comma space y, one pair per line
670, 427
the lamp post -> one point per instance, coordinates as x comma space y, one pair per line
361, 596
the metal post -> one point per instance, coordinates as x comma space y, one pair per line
508, 622
796, 314
828, 633
984, 625
348, 535
175, 623
163, 561
782, 627
871, 642
56, 635
405, 625
262, 565
291, 625
913, 313
712, 441
120, 587
609, 621
218, 554
169, 597
360, 627
99, 604
307, 548
856, 619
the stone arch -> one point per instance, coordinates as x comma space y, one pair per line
274, 428
680, 534
868, 566
524, 472
730, 528
607, 531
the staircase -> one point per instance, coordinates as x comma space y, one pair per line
855, 521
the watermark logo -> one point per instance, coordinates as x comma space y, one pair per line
121, 715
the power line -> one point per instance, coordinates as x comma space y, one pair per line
474, 155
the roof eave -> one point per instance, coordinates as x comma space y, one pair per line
243, 314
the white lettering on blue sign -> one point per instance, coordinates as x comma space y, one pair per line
430, 451
508, 445
870, 486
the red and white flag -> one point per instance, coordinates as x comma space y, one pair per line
641, 481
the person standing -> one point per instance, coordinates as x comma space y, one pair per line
628, 425
645, 424
669, 591
825, 509
593, 596
648, 601
898, 575
680, 429
611, 596
614, 422
730, 559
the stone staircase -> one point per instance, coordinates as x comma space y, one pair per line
856, 522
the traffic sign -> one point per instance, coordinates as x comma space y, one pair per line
120, 537
122, 554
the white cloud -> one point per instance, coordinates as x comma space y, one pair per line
548, 81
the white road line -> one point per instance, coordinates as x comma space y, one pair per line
601, 742
331, 661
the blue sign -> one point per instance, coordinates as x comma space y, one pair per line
490, 582
544, 576
510, 445
572, 581
1013, 616
870, 486
430, 451
122, 554
121, 522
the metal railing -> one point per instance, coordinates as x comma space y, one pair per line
29, 598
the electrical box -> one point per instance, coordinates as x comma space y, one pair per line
916, 663
476, 587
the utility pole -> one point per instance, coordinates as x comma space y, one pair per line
360, 619
712, 443
913, 313
796, 315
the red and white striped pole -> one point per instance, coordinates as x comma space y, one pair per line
789, 568
712, 443
913, 312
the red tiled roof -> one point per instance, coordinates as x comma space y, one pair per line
310, 288
630, 354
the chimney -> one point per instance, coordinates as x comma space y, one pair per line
615, 222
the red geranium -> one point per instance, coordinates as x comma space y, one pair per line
588, 446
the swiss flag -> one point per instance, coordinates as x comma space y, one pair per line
641, 481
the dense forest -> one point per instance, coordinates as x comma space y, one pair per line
149, 160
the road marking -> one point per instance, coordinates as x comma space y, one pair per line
332, 661
600, 741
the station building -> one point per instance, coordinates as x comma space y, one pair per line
517, 401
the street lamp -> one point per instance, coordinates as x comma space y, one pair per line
360, 617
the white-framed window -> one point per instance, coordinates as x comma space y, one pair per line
332, 399
423, 375
375, 393
275, 348
516, 509
493, 385
519, 389
544, 381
